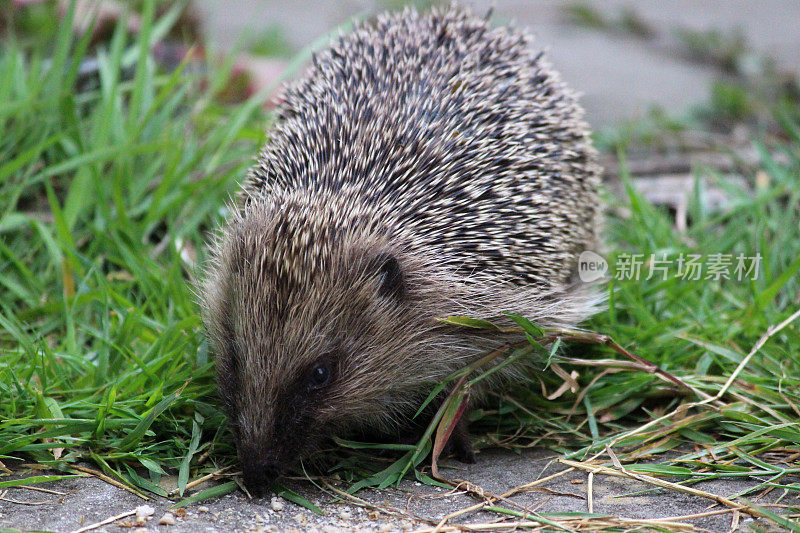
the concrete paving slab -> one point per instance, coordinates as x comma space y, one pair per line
88, 500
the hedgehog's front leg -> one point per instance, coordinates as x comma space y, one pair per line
460, 444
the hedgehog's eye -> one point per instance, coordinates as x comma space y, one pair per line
319, 376
390, 276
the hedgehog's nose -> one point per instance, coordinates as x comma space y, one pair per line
259, 475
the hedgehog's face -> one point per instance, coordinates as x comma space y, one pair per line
309, 343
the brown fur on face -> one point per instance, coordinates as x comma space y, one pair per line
372, 323
425, 166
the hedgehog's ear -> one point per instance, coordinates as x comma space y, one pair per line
390, 276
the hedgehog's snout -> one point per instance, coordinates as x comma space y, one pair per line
259, 474
264, 458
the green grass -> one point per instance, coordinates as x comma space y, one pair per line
107, 192
100, 193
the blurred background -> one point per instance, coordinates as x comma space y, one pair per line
624, 56
628, 59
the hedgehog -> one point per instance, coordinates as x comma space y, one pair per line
426, 165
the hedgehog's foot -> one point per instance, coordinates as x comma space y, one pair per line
460, 445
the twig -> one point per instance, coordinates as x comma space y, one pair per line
532, 484
581, 523
388, 510
588, 337
597, 469
704, 514
589, 502
608, 363
108, 480
19, 502
772, 330
104, 522
490, 498
445, 518
40, 489
735, 520
203, 479
587, 388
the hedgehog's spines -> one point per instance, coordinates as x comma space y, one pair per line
465, 110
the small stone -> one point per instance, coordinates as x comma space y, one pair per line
385, 528
141, 530
276, 504
406, 526
331, 529
203, 509
301, 519
345, 515
143, 512
168, 519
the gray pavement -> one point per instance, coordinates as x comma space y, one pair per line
87, 501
